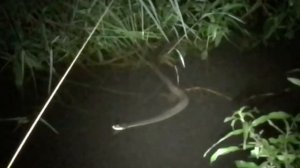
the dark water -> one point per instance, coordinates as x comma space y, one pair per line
83, 115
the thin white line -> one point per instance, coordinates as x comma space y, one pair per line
177, 74
55, 90
181, 58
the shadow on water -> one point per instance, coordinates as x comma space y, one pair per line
92, 101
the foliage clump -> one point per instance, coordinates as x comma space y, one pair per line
41, 36
280, 150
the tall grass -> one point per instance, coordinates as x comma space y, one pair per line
40, 36
48, 34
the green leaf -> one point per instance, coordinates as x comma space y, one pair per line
286, 158
278, 115
232, 124
219, 38
274, 140
223, 151
233, 133
260, 120
230, 134
294, 81
246, 131
255, 151
243, 164
231, 6
271, 116
228, 119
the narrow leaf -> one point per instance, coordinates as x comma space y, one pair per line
294, 81
279, 115
260, 120
228, 119
223, 151
270, 116
243, 164
230, 134
286, 158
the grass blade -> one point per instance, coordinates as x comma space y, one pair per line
223, 151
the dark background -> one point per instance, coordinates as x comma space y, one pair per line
83, 112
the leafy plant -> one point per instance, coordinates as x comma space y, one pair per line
41, 38
272, 20
278, 151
